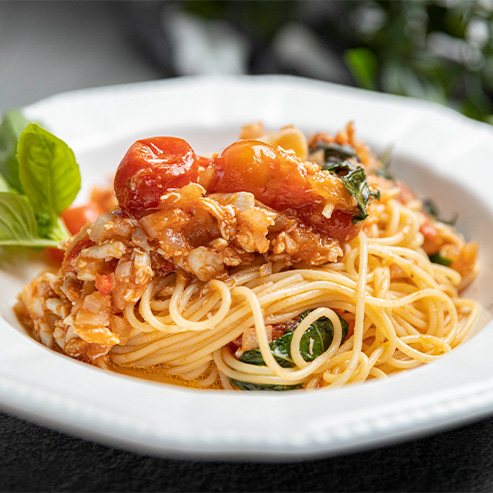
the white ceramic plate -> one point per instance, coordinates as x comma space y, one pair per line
443, 155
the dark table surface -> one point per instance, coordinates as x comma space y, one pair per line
59, 46
34, 458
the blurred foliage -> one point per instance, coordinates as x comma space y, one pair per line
436, 50
440, 51
260, 18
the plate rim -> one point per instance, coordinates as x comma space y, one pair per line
453, 410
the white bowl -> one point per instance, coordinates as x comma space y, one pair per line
443, 155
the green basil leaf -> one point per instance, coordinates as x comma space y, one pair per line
356, 185
49, 174
334, 153
317, 339
280, 349
385, 160
18, 224
4, 186
254, 386
432, 210
354, 179
314, 342
12, 125
438, 258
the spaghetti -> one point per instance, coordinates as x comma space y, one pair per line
220, 286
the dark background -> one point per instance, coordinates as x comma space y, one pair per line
49, 47
33, 458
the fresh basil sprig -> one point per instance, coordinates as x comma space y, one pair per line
39, 182
354, 179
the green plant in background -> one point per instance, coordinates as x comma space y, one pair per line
439, 51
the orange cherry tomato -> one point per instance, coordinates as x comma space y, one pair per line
150, 168
75, 218
274, 176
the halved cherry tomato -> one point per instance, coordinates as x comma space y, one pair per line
77, 217
150, 168
270, 173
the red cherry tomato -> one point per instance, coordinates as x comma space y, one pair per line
77, 217
150, 168
271, 174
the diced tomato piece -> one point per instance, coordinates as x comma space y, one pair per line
339, 226
75, 218
167, 268
104, 283
150, 168
76, 249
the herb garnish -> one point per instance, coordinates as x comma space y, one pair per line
334, 153
384, 159
354, 179
39, 179
438, 258
432, 210
314, 342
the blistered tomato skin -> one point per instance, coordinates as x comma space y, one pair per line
270, 173
150, 168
